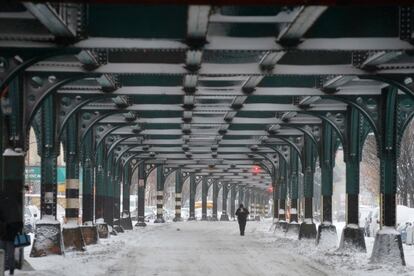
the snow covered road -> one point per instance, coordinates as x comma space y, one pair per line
198, 249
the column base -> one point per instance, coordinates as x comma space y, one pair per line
388, 247
204, 218
177, 219
281, 225
90, 234
73, 238
353, 239
47, 240
119, 229
159, 220
140, 224
126, 223
224, 217
307, 230
103, 230
191, 218
112, 231
326, 236
214, 218
293, 230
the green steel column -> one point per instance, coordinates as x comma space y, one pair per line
99, 183
12, 190
141, 195
215, 198
352, 236
204, 193
87, 180
72, 236
126, 190
307, 229
178, 189
309, 170
247, 198
275, 194
233, 200
225, 192
294, 185
352, 159
327, 163
117, 195
252, 206
266, 205
12, 164
263, 205
241, 195
388, 157
109, 189
72, 171
125, 177
48, 159
14, 120
160, 194
283, 189
388, 244
192, 196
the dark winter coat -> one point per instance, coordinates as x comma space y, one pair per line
242, 214
10, 219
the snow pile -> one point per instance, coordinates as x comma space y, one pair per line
71, 224
46, 219
405, 214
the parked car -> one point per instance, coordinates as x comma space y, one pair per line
31, 216
149, 214
185, 213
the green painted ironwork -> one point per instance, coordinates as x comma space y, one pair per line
88, 179
48, 159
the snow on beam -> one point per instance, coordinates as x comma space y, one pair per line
223, 43
336, 82
211, 69
270, 59
379, 58
107, 83
197, 22
89, 59
223, 91
213, 109
281, 17
304, 20
49, 17
308, 100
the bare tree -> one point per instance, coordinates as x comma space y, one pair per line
369, 171
405, 187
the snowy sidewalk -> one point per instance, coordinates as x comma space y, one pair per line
201, 248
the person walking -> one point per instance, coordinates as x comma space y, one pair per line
10, 226
242, 214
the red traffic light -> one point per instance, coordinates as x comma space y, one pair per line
256, 169
270, 189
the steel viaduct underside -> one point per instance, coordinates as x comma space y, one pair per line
210, 93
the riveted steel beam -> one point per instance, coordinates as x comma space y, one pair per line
56, 21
